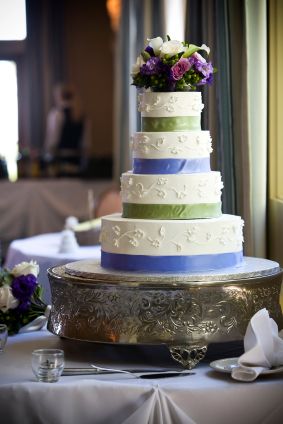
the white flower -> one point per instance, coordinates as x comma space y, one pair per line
171, 48
205, 48
25, 268
136, 67
155, 44
7, 300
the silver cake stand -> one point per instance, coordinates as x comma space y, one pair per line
186, 312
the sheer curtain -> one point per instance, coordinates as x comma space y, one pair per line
235, 107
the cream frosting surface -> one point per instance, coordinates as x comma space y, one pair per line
178, 144
170, 104
171, 188
168, 237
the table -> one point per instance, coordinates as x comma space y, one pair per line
31, 207
204, 397
44, 250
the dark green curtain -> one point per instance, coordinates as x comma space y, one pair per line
221, 25
44, 61
131, 39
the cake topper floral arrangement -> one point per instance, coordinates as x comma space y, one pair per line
20, 296
172, 66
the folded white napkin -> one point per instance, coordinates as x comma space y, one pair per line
263, 348
68, 243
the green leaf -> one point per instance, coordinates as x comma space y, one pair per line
145, 55
168, 37
191, 50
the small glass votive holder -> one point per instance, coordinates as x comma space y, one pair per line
47, 364
3, 336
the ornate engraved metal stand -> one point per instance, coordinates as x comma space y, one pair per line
185, 312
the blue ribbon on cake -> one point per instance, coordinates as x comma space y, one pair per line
171, 166
194, 263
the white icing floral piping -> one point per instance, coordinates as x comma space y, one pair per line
161, 189
193, 146
193, 235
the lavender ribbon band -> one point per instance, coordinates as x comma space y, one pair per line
171, 166
194, 263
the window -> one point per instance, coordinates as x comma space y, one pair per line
13, 32
9, 116
13, 20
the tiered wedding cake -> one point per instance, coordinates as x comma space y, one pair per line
172, 219
172, 269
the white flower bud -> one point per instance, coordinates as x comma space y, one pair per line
25, 268
7, 300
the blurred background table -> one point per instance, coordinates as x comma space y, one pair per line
31, 207
44, 250
203, 397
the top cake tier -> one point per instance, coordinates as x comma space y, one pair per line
173, 111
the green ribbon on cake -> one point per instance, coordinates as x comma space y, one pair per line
199, 210
175, 123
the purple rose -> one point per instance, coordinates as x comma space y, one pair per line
23, 287
151, 67
180, 68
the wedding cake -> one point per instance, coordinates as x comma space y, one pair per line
172, 219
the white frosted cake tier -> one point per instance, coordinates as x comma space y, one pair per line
169, 237
197, 188
177, 144
196, 245
170, 104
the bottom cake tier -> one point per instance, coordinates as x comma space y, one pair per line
185, 312
198, 245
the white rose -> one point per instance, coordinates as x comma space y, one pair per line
155, 44
7, 300
25, 268
172, 47
136, 67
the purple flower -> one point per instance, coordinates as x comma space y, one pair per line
151, 67
149, 50
205, 69
23, 287
206, 80
180, 68
23, 306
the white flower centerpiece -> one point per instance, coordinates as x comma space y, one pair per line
20, 296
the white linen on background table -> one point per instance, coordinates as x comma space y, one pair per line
206, 397
44, 249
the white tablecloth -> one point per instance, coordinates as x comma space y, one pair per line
44, 249
204, 397
30, 207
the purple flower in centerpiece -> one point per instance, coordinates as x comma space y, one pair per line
180, 68
151, 67
23, 286
205, 69
23, 306
149, 50
206, 80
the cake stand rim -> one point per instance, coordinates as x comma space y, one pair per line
107, 277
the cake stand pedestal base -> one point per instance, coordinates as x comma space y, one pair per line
186, 312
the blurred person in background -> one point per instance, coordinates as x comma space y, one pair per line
67, 140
